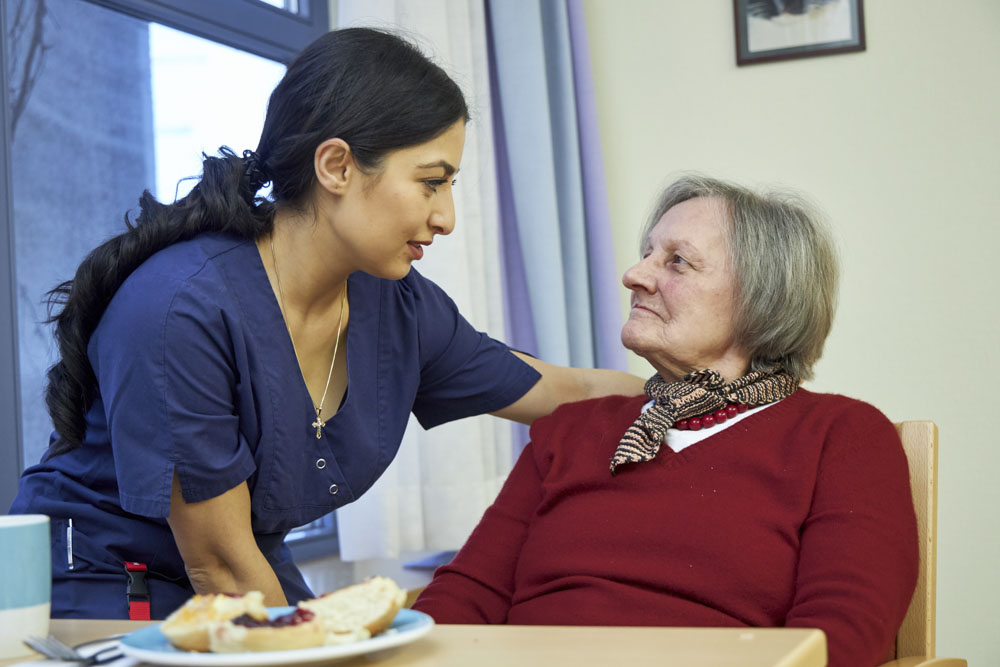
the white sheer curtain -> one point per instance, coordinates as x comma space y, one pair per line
442, 480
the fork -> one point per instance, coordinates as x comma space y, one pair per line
54, 649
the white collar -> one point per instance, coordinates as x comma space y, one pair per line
678, 440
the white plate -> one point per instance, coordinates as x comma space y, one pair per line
149, 645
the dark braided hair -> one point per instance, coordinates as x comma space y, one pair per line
370, 88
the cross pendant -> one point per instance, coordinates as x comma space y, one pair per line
318, 425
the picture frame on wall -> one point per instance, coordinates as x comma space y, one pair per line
770, 30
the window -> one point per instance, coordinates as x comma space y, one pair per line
231, 88
96, 107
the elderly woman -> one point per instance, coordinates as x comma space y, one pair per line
729, 496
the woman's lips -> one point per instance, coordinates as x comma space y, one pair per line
642, 310
416, 250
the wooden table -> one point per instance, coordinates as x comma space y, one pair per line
551, 646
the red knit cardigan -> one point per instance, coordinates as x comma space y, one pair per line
800, 515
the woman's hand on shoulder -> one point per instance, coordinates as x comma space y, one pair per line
563, 384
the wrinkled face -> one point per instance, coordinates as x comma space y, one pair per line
390, 217
682, 295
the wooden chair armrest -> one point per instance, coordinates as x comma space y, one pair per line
924, 661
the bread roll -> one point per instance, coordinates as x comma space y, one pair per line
297, 629
234, 624
359, 611
188, 627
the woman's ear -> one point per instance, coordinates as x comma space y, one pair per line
334, 165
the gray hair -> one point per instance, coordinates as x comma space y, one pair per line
785, 264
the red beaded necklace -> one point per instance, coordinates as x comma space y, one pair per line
712, 418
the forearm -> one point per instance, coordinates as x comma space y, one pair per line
562, 384
454, 598
216, 541
215, 575
570, 384
597, 382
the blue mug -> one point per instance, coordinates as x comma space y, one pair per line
25, 581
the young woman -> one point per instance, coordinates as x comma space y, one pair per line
233, 367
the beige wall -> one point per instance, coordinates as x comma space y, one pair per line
900, 145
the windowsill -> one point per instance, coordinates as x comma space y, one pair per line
330, 573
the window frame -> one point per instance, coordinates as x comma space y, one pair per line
249, 25
11, 451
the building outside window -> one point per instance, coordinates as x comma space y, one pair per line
102, 100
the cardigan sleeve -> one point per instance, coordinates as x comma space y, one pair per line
478, 585
858, 550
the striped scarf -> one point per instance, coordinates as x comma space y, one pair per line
696, 394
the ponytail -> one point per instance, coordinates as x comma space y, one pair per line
225, 200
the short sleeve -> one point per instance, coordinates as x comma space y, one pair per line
166, 372
463, 372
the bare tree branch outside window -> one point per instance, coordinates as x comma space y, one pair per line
27, 53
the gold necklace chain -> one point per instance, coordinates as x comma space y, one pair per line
319, 423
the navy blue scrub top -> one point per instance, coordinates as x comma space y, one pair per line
198, 376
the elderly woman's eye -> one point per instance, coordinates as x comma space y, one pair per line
677, 259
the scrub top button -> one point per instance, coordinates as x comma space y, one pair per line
334, 489
320, 463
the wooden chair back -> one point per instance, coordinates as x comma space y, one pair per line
920, 441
